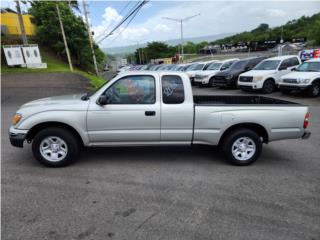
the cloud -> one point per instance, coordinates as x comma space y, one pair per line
161, 28
216, 17
276, 13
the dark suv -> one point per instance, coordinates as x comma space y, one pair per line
229, 77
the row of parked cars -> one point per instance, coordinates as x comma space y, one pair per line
286, 73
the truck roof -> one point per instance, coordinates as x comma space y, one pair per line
281, 57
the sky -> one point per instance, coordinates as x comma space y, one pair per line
216, 17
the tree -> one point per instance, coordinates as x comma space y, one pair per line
49, 33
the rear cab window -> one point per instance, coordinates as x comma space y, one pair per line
172, 89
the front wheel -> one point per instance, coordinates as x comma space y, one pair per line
55, 147
268, 86
242, 147
314, 90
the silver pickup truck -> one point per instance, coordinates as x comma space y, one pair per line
154, 108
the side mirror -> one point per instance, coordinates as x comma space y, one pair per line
294, 69
247, 68
103, 100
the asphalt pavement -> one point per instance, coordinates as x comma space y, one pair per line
157, 192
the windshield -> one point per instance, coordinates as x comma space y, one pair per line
214, 66
196, 66
309, 67
239, 65
268, 65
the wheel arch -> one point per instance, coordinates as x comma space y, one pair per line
259, 129
38, 127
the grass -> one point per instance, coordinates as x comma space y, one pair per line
54, 65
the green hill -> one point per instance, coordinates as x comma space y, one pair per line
305, 27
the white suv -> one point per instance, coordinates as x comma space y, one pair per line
306, 78
204, 78
197, 67
266, 75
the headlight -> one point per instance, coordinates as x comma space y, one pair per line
229, 77
16, 118
303, 80
257, 78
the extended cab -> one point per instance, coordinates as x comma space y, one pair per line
305, 78
229, 77
266, 75
205, 77
154, 108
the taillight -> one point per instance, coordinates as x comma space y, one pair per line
306, 120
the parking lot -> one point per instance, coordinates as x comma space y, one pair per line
157, 192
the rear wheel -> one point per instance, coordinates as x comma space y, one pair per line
55, 147
268, 86
242, 147
314, 90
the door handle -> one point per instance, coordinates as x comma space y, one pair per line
150, 113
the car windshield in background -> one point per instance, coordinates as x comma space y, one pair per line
268, 65
214, 66
195, 67
309, 67
239, 65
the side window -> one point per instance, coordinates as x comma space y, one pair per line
172, 89
132, 90
227, 65
294, 61
285, 64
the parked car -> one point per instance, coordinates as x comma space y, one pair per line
229, 77
195, 68
205, 78
306, 78
266, 75
154, 108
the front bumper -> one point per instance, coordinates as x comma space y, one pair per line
293, 87
306, 135
17, 136
251, 85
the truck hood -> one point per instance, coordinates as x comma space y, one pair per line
305, 75
256, 73
63, 103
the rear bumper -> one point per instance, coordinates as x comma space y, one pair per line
17, 137
306, 135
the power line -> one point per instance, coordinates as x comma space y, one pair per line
112, 22
115, 28
125, 26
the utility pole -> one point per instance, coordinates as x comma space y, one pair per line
90, 37
64, 38
23, 32
181, 20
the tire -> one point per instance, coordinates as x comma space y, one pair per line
211, 83
242, 155
285, 91
314, 90
55, 147
268, 86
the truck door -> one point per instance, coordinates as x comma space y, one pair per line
176, 110
132, 114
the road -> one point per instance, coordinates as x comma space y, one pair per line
156, 192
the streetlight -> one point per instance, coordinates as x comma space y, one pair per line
181, 20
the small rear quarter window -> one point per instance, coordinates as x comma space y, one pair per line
172, 89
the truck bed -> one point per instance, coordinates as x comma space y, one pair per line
238, 100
